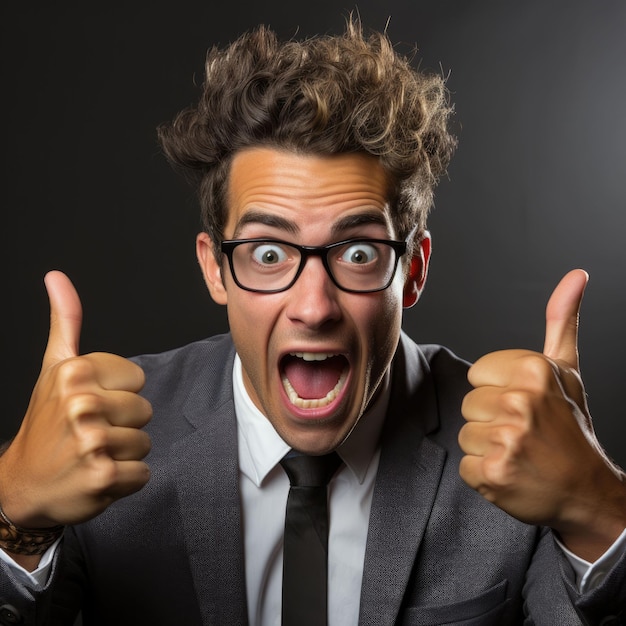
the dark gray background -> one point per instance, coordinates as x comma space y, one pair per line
536, 188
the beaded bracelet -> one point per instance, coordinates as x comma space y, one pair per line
26, 541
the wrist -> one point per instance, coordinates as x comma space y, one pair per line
20, 503
26, 541
598, 522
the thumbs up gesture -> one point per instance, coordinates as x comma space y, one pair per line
529, 441
79, 447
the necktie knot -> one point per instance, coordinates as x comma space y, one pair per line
310, 471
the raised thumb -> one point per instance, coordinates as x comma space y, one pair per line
66, 315
562, 312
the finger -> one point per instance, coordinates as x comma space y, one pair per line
513, 389
114, 372
65, 319
481, 404
126, 409
128, 444
496, 368
471, 471
475, 438
131, 476
561, 341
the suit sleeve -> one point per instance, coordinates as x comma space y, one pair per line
551, 576
56, 603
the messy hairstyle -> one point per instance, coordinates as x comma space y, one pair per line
325, 95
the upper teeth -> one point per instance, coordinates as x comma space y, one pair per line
313, 356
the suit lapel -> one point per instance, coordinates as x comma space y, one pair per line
406, 486
206, 470
205, 466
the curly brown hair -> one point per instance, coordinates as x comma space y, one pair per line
323, 95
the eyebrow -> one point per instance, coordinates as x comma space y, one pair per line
359, 219
266, 219
345, 223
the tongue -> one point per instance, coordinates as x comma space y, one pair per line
313, 379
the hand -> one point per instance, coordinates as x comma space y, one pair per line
529, 439
79, 447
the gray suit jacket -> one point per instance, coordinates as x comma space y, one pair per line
437, 552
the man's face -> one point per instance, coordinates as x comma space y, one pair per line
324, 344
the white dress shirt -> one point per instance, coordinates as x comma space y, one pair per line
264, 488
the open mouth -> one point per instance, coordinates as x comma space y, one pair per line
312, 380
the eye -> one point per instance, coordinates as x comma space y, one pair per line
269, 254
360, 253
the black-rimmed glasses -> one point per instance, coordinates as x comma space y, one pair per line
354, 265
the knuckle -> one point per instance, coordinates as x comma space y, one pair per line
92, 440
104, 474
515, 403
497, 473
72, 372
512, 439
81, 405
535, 371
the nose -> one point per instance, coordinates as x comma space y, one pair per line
313, 297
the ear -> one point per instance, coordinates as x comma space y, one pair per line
211, 269
418, 270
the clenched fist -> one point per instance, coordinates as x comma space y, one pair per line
529, 440
80, 446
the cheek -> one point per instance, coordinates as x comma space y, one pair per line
379, 321
251, 347
389, 327
390, 306
252, 319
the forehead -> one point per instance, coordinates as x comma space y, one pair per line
306, 190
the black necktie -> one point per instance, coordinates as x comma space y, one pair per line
305, 559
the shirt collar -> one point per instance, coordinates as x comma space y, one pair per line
261, 448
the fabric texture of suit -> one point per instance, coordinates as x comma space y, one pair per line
437, 552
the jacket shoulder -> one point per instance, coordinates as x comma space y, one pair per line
179, 380
184, 363
438, 363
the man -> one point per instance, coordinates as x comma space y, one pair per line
315, 164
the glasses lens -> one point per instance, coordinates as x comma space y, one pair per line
265, 265
363, 265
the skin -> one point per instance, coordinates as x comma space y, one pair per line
80, 446
529, 442
529, 438
311, 200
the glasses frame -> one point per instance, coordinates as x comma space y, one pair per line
399, 247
